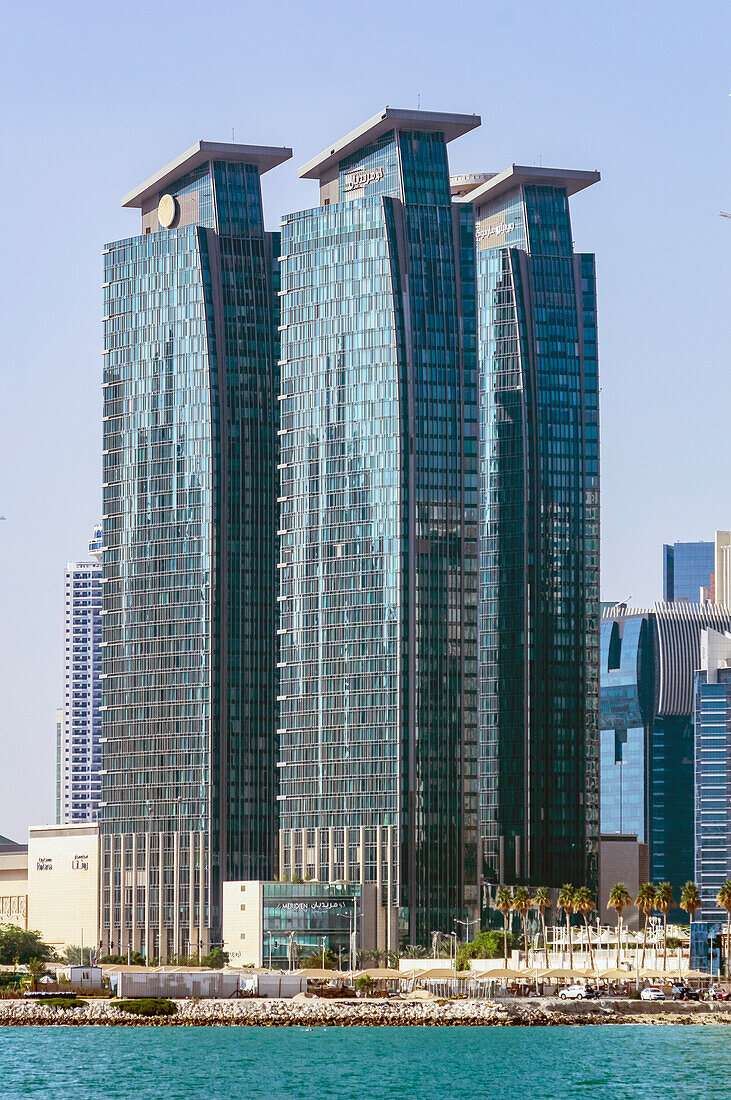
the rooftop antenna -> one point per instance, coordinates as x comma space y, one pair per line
233, 134
418, 102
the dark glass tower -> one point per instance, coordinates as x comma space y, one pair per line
189, 472
539, 531
378, 550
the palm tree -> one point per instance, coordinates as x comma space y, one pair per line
723, 898
36, 968
690, 899
541, 902
521, 904
645, 902
584, 904
414, 951
619, 899
504, 902
663, 901
566, 902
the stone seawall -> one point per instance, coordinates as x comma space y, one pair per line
375, 1013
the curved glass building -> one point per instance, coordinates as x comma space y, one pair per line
378, 544
649, 671
539, 530
189, 492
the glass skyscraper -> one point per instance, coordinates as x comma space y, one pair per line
378, 548
189, 492
79, 731
627, 697
686, 568
539, 530
712, 721
649, 659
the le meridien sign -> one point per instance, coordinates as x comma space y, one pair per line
484, 233
354, 181
300, 905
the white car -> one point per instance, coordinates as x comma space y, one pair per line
573, 993
652, 993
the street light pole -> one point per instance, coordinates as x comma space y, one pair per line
467, 924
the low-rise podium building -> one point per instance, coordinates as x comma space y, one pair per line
275, 924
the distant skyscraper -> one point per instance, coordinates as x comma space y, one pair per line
189, 471
649, 658
378, 552
687, 567
713, 770
539, 529
79, 723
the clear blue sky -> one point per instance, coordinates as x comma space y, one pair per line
96, 97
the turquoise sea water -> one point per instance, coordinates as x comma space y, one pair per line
238, 1063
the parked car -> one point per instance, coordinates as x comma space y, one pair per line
579, 993
682, 992
716, 993
652, 993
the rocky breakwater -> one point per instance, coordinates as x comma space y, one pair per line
300, 1013
367, 1013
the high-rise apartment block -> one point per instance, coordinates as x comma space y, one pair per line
712, 718
79, 721
189, 492
350, 583
378, 547
687, 568
539, 529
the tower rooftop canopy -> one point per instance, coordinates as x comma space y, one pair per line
263, 156
519, 174
390, 118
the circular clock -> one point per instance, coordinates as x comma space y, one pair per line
167, 211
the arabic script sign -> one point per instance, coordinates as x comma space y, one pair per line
354, 181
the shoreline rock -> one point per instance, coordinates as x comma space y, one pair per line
366, 1013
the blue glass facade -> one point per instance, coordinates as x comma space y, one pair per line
539, 538
712, 720
626, 661
378, 548
189, 491
302, 919
686, 568
707, 938
649, 660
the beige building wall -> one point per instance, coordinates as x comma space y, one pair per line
243, 903
63, 884
722, 579
14, 888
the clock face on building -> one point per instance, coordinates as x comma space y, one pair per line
167, 211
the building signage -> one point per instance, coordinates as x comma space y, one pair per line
44, 864
354, 181
80, 863
486, 232
309, 905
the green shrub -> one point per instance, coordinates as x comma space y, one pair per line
147, 1006
61, 1002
